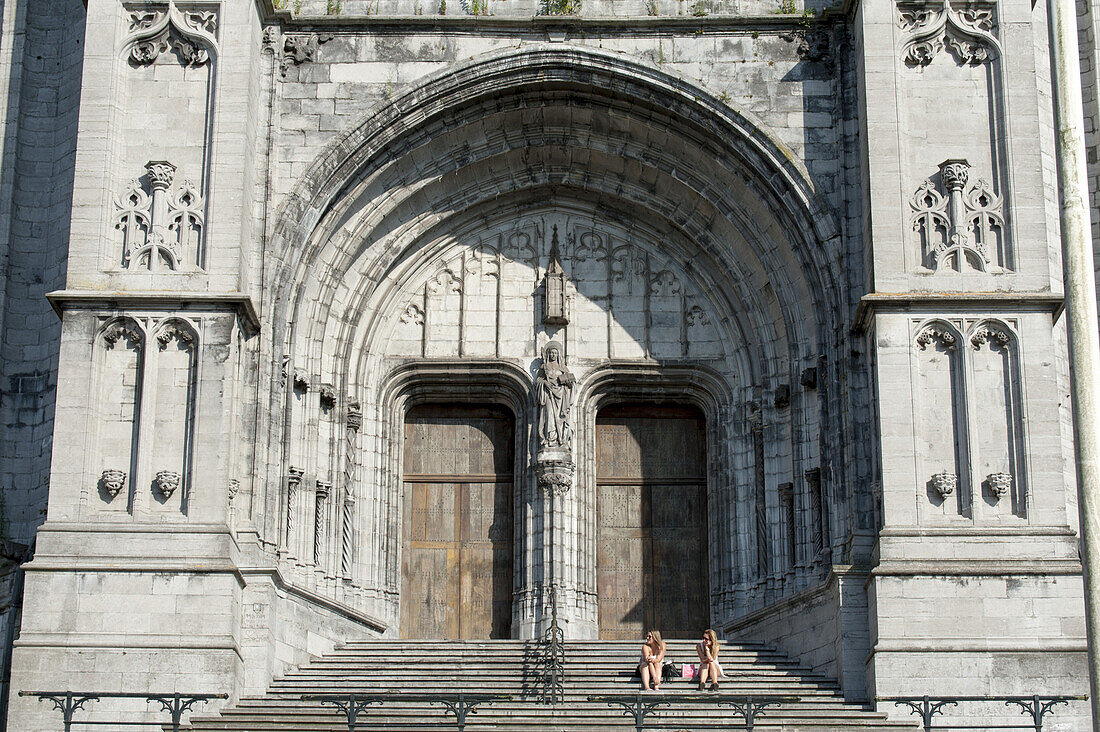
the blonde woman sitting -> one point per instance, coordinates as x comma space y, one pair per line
653, 656
708, 660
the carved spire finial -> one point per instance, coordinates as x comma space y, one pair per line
554, 308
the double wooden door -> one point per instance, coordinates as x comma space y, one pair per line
457, 528
651, 555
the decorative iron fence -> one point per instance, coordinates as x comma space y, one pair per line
927, 707
69, 703
643, 705
353, 706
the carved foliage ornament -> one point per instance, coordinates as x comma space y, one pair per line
113, 480
122, 329
967, 29
990, 334
191, 34
999, 484
173, 332
166, 482
944, 483
938, 333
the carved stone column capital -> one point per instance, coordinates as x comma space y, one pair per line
955, 174
161, 173
554, 470
355, 417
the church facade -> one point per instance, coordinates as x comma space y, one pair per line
344, 319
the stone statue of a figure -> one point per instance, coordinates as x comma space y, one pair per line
554, 392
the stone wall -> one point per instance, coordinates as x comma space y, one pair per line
834, 233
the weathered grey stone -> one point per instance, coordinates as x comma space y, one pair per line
269, 232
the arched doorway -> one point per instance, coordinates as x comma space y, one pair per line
651, 512
456, 568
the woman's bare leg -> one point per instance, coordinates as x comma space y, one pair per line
704, 669
655, 672
644, 669
713, 667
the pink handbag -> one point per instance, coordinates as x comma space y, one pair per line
689, 670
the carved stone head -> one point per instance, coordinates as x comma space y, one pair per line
553, 352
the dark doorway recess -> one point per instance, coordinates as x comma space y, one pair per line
456, 580
651, 556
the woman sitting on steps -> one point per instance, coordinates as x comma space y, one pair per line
653, 656
708, 660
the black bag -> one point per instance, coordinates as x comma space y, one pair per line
669, 671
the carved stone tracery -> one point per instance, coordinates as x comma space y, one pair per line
966, 222
938, 333
988, 333
190, 34
174, 332
967, 29
163, 225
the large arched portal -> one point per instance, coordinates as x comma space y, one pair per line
411, 267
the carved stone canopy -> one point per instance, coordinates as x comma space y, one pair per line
555, 311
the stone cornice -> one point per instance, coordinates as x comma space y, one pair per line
943, 567
241, 303
876, 302
748, 22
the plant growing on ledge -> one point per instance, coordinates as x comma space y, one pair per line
786, 7
334, 7
561, 7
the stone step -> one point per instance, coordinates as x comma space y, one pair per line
592, 668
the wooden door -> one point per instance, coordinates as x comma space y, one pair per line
651, 556
457, 554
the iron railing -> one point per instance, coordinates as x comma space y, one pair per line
553, 655
353, 706
642, 705
71, 702
928, 707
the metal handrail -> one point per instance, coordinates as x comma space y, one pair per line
352, 705
71, 702
929, 706
642, 705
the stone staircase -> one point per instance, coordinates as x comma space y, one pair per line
516, 668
